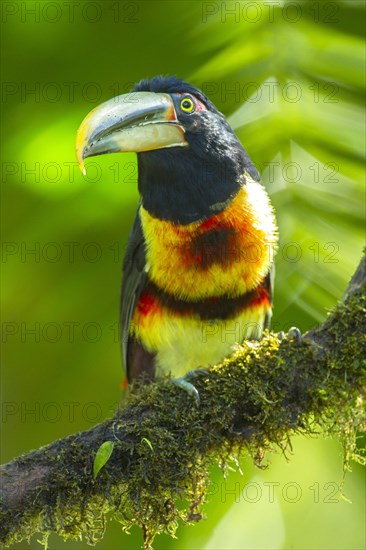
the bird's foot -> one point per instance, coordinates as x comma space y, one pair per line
187, 386
194, 373
294, 334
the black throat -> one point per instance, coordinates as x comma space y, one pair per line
187, 184
181, 191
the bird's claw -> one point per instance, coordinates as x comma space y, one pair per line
294, 334
191, 374
185, 385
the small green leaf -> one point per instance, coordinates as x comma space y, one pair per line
103, 455
148, 442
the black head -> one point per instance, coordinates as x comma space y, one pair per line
191, 164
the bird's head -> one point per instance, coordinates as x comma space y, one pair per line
190, 162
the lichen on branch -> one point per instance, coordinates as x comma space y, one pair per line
163, 443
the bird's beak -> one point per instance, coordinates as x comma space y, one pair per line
139, 121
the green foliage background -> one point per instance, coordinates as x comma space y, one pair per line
289, 76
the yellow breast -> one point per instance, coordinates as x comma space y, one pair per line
182, 343
229, 254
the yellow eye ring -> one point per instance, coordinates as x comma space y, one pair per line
187, 105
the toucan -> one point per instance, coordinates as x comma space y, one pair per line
198, 269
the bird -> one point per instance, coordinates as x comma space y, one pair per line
198, 272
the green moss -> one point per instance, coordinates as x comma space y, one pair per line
157, 475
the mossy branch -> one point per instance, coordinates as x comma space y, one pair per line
163, 442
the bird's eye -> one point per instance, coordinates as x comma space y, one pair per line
187, 105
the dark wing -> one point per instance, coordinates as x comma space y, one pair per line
269, 286
133, 283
